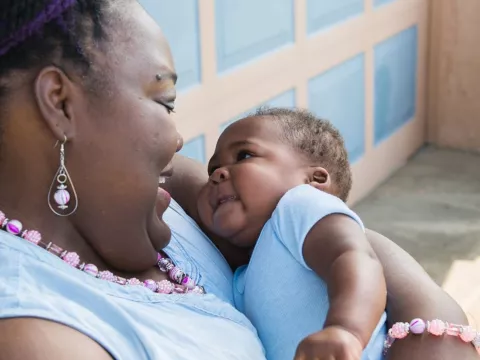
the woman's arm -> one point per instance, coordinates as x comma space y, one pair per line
413, 294
36, 339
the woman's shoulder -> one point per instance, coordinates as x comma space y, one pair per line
46, 340
27, 269
124, 320
35, 284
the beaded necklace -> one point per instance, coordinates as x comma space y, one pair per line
180, 282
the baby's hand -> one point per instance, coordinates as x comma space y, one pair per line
332, 343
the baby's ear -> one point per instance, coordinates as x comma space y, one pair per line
320, 179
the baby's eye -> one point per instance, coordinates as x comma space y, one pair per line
243, 155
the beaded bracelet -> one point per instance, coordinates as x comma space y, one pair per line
435, 327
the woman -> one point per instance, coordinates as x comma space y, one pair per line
66, 77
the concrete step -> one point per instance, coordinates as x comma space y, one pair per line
462, 279
471, 303
463, 284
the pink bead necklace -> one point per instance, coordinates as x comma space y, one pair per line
181, 283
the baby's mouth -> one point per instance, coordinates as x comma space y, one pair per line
225, 199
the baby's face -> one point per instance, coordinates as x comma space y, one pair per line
249, 173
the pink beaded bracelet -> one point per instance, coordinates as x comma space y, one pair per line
435, 327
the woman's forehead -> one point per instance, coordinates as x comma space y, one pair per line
140, 38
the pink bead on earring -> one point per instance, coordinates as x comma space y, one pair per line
61, 201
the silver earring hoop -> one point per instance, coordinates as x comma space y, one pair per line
60, 201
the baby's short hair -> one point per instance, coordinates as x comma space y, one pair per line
318, 140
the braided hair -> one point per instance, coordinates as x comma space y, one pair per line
37, 33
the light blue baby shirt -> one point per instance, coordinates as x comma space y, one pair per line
285, 300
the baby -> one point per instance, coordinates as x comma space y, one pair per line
313, 288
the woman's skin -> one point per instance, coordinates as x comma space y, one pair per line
411, 292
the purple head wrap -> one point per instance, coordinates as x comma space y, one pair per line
51, 12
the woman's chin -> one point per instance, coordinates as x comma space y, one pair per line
158, 231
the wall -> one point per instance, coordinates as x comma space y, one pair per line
454, 86
360, 63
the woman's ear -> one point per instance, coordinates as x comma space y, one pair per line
320, 179
53, 92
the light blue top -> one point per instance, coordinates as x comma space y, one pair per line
285, 300
132, 322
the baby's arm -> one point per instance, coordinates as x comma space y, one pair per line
337, 249
325, 236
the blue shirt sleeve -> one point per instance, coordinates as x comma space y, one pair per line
299, 210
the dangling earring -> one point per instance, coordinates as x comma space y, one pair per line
61, 199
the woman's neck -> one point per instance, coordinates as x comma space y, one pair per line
22, 200
24, 187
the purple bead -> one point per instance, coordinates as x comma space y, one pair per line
14, 227
176, 274
165, 287
188, 282
417, 326
62, 197
150, 284
91, 270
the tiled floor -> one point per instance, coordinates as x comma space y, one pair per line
431, 208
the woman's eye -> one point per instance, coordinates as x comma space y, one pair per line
243, 155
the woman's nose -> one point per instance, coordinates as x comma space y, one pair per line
220, 175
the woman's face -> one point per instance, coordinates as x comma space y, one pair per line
124, 140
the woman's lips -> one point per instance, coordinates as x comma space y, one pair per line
164, 195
